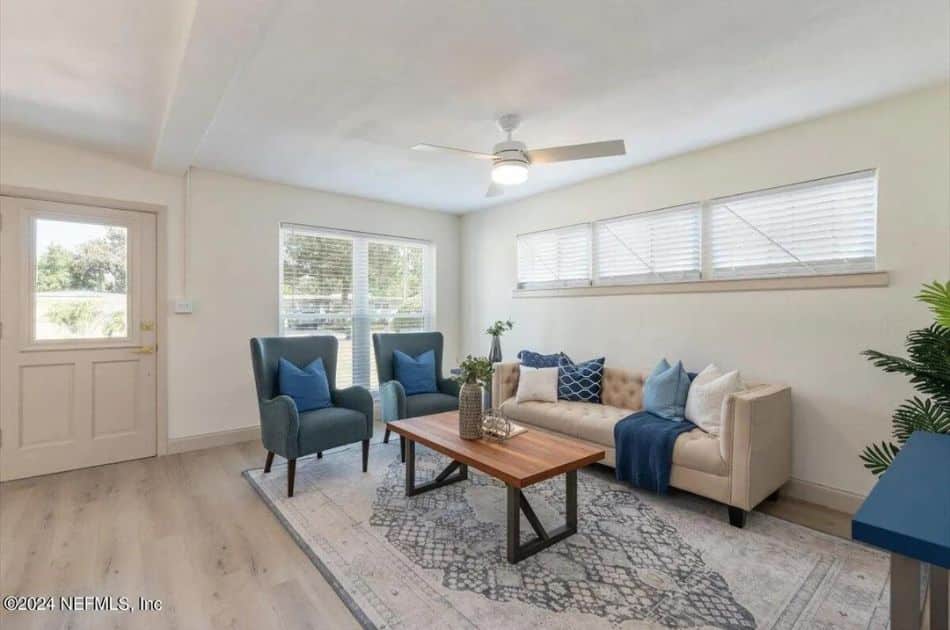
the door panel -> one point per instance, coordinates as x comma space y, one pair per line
78, 308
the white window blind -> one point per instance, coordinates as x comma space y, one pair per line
555, 258
351, 285
822, 226
658, 246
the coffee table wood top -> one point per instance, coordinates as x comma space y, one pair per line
520, 461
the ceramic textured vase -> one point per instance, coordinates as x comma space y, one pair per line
470, 411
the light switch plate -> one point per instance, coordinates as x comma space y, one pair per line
184, 306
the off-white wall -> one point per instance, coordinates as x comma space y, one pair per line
233, 227
808, 339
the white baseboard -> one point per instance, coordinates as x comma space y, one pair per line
834, 498
213, 439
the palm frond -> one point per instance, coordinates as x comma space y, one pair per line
878, 457
936, 295
919, 415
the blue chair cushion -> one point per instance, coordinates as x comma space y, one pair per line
416, 374
538, 360
580, 381
426, 404
665, 390
308, 386
321, 429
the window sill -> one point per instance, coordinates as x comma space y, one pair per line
787, 283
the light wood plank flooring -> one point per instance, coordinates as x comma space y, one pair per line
189, 530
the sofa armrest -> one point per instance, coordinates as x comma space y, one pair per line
756, 440
392, 401
280, 426
358, 399
504, 382
449, 386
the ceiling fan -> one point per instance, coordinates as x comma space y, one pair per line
510, 159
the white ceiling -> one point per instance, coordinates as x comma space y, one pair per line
331, 95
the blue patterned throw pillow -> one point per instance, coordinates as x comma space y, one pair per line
579, 381
538, 360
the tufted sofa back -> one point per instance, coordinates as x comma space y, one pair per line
620, 388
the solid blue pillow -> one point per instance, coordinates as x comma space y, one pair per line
417, 375
665, 390
309, 387
538, 360
580, 381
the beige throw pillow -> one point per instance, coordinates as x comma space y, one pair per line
707, 392
538, 384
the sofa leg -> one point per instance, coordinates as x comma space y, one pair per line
386, 436
402, 449
268, 461
319, 454
365, 454
737, 516
291, 471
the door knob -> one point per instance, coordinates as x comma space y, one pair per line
145, 350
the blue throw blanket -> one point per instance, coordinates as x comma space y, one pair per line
644, 443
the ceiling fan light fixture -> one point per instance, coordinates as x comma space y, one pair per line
509, 172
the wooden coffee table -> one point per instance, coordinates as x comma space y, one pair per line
519, 462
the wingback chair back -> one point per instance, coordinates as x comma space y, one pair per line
412, 344
266, 352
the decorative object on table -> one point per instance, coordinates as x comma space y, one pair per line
495, 426
496, 330
474, 373
929, 370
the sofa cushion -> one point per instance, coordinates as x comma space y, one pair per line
537, 360
665, 390
538, 384
427, 404
321, 429
580, 381
698, 450
587, 421
622, 388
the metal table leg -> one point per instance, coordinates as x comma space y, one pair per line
444, 478
517, 503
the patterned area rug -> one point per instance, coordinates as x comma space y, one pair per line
637, 561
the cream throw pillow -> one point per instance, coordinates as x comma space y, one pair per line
537, 384
707, 392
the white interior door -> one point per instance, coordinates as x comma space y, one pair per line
78, 342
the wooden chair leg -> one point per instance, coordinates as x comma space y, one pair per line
386, 437
319, 454
268, 461
402, 449
291, 471
365, 454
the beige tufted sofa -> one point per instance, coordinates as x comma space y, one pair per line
749, 461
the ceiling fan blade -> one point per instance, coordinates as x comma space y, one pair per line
495, 190
465, 152
577, 152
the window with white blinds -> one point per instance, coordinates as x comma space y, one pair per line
658, 246
555, 258
825, 226
351, 285
818, 227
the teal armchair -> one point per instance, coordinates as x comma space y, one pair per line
292, 434
394, 403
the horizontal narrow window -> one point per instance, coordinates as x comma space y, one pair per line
658, 246
555, 258
818, 227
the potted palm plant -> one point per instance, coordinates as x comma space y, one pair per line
474, 373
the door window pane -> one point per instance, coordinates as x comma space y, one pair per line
81, 284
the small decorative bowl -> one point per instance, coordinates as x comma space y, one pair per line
495, 426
